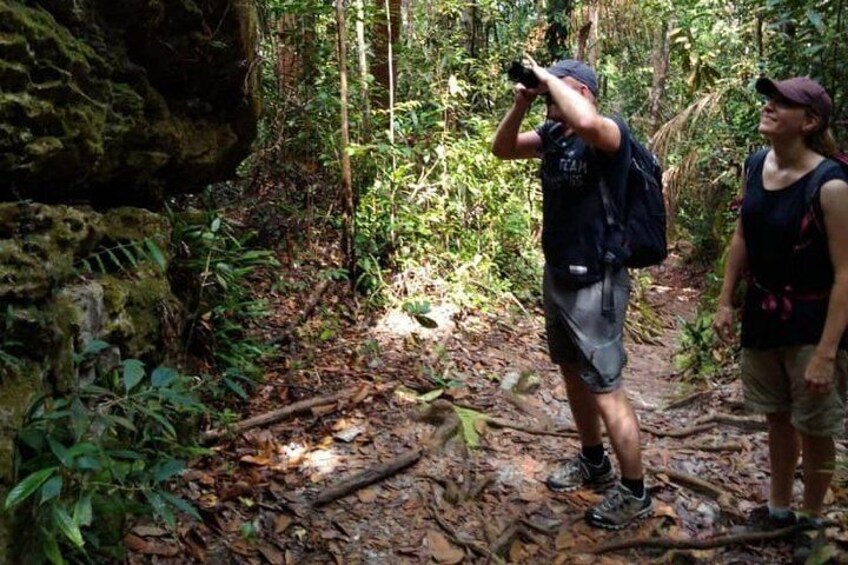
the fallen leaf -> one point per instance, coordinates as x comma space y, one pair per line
242, 548
272, 554
367, 495
517, 552
564, 540
441, 550
281, 523
150, 547
323, 409
149, 531
256, 460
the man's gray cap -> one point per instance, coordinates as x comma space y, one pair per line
578, 70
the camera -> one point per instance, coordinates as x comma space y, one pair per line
519, 73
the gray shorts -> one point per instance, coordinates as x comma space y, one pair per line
578, 332
773, 381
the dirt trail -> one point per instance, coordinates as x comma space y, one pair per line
466, 504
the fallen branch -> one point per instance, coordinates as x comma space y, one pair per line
501, 423
704, 446
406, 459
745, 538
685, 432
275, 416
740, 422
686, 400
310, 305
721, 496
368, 477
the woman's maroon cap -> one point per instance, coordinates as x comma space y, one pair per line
800, 90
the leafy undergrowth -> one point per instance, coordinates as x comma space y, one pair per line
481, 497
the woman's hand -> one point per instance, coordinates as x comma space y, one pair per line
819, 373
724, 323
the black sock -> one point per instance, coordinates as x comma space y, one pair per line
594, 454
636, 486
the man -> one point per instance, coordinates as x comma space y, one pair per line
580, 149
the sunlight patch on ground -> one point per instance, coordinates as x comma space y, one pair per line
323, 460
397, 323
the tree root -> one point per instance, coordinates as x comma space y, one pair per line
471, 545
685, 432
745, 538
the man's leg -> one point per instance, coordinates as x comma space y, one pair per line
582, 403
623, 429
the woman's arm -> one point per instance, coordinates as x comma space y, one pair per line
737, 260
834, 203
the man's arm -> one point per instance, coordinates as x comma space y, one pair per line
509, 143
581, 114
834, 203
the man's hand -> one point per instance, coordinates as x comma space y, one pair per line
819, 373
524, 96
724, 323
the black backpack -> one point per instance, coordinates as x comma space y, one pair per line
642, 226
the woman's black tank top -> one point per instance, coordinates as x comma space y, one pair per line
790, 275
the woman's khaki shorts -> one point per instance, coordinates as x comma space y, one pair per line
773, 380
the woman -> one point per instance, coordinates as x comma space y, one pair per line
792, 244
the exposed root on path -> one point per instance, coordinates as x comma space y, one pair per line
746, 538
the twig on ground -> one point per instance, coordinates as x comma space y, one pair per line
472, 545
275, 416
724, 498
745, 538
311, 303
406, 459
686, 400
501, 423
685, 432
740, 422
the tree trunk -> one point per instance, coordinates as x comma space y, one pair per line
662, 49
362, 49
347, 183
385, 36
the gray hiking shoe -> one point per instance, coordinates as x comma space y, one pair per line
579, 472
619, 509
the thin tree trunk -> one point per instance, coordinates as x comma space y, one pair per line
385, 35
362, 48
391, 24
593, 44
347, 183
662, 50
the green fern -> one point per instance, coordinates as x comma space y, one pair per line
123, 256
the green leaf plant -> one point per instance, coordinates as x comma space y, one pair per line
88, 460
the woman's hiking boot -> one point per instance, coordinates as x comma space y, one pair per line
579, 472
762, 520
619, 509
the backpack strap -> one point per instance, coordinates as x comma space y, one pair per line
813, 188
607, 300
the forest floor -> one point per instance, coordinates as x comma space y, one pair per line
378, 392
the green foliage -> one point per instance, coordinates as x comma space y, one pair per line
215, 267
123, 256
701, 355
104, 451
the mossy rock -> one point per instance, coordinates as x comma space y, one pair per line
124, 102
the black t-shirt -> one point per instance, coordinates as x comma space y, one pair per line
574, 230
789, 279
